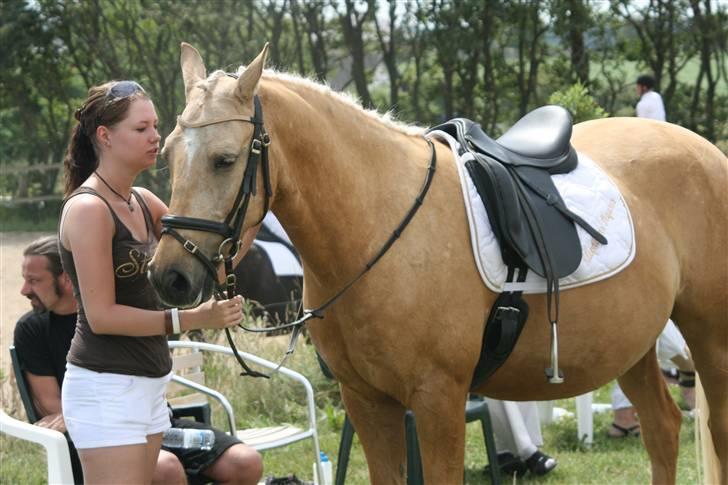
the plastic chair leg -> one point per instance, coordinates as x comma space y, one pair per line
342, 462
414, 459
476, 409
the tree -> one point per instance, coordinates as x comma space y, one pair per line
353, 20
388, 44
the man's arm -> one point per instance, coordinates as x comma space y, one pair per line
47, 401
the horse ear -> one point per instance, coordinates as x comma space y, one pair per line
193, 68
248, 81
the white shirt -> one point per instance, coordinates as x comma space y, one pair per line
651, 106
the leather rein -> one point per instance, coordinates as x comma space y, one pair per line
231, 230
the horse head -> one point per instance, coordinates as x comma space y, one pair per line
218, 192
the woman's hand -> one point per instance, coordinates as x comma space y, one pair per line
213, 314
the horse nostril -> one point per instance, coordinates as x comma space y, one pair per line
177, 281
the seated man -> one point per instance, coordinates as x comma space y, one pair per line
42, 339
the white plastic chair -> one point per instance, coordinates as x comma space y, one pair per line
259, 438
585, 409
59, 459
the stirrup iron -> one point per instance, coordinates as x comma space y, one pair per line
553, 373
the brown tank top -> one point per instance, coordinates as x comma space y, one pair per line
140, 356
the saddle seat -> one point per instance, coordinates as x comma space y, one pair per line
540, 139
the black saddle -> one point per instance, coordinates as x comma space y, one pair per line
533, 226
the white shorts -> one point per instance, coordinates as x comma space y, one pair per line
106, 409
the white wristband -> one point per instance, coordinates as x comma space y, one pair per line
175, 321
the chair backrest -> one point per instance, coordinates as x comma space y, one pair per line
188, 364
186, 402
23, 387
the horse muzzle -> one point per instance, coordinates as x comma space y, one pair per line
179, 288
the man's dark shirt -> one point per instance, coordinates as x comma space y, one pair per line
42, 341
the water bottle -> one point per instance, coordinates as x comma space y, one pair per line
190, 438
326, 469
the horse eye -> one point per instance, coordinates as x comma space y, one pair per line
224, 162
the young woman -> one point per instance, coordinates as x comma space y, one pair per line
119, 363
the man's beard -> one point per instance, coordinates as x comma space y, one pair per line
38, 304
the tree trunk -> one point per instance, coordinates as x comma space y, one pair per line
353, 23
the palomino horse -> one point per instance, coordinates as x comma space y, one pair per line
407, 335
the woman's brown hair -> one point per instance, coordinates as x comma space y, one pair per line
103, 107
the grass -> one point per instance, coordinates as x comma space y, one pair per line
260, 402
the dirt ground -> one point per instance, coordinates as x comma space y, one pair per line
12, 305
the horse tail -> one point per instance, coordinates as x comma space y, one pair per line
705, 451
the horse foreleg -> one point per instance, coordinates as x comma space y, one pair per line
440, 418
379, 422
659, 416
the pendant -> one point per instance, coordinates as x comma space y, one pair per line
131, 207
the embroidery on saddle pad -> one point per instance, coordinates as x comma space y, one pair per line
587, 191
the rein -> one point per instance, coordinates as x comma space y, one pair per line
231, 234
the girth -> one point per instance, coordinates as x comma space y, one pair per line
533, 226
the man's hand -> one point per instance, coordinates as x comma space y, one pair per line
52, 421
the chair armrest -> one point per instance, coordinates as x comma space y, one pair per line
282, 371
212, 393
59, 459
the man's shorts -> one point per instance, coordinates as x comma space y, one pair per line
196, 461
105, 409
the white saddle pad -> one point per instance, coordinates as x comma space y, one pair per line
588, 192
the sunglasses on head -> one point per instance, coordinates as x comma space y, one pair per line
123, 89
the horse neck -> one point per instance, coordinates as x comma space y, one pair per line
344, 179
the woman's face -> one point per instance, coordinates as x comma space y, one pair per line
135, 139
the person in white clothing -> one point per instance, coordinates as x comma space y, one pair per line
650, 104
517, 432
672, 351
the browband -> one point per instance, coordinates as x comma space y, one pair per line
214, 121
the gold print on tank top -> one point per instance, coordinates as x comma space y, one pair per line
137, 264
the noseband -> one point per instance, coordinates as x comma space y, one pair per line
231, 228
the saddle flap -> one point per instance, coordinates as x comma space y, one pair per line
498, 192
557, 232
528, 227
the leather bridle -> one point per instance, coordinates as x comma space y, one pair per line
231, 232
232, 227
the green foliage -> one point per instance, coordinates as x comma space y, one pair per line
580, 104
506, 59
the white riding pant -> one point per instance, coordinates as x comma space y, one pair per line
516, 426
670, 344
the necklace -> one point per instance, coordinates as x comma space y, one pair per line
128, 201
